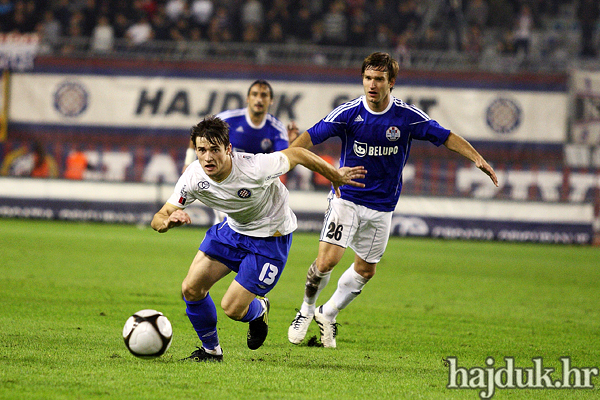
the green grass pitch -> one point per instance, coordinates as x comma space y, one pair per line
66, 290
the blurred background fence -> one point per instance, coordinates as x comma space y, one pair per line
98, 98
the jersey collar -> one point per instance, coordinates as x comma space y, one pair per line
364, 101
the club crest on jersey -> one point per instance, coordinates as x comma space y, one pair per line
392, 133
266, 144
203, 185
244, 193
360, 149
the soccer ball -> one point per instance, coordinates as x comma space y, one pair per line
148, 334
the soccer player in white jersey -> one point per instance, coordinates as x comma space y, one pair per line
376, 131
254, 240
253, 129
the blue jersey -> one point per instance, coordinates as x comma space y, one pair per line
378, 141
246, 137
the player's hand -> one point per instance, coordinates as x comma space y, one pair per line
485, 167
293, 131
347, 177
177, 218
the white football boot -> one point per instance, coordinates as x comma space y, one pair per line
328, 329
298, 328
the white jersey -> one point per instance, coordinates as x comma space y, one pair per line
255, 200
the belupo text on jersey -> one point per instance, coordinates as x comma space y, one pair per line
363, 149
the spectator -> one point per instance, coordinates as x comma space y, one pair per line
276, 33
279, 13
103, 36
160, 27
62, 12
7, 8
219, 29
408, 17
175, 9
477, 13
179, 31
301, 19
588, 14
76, 163
49, 30
201, 12
140, 32
359, 22
252, 13
43, 165
474, 42
522, 33
120, 25
335, 24
91, 13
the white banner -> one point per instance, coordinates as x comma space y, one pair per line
177, 103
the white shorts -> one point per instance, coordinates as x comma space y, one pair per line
366, 231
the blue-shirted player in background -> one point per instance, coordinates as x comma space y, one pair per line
252, 129
376, 131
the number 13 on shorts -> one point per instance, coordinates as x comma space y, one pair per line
268, 274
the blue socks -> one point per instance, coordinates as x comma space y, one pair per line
255, 310
203, 316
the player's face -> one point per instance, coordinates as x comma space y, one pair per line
259, 99
214, 159
377, 89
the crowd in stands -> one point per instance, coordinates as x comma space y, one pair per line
457, 25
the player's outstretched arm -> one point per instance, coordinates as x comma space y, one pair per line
338, 177
169, 217
460, 145
303, 140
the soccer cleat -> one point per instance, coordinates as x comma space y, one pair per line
328, 329
298, 328
201, 355
259, 327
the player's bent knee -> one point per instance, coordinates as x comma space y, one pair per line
233, 310
191, 293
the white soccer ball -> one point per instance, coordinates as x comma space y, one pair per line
148, 334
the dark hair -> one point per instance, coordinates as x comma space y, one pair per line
381, 62
261, 82
213, 129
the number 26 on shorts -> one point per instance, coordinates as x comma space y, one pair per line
334, 232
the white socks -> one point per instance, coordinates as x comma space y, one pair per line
349, 287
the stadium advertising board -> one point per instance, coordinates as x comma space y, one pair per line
176, 104
414, 216
133, 130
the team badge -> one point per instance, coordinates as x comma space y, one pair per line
392, 133
266, 144
244, 193
360, 149
203, 185
71, 99
503, 115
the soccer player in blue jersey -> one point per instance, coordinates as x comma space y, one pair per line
254, 240
376, 131
252, 129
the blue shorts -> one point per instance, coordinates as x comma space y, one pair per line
258, 261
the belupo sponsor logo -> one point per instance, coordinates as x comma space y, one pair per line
509, 376
363, 149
